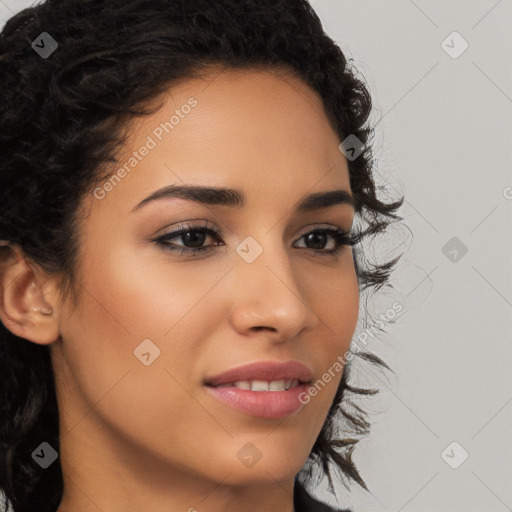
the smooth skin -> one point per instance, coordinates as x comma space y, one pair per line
137, 437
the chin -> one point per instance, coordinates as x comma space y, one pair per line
265, 475
266, 470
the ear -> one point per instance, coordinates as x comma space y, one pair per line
28, 298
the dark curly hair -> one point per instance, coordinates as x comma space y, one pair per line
62, 121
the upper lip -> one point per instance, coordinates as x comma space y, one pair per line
263, 370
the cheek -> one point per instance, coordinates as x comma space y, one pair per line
139, 294
335, 300
333, 294
124, 303
121, 305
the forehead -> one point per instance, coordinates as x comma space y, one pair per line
257, 130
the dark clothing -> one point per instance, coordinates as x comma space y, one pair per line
303, 502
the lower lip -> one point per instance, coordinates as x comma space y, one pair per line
263, 404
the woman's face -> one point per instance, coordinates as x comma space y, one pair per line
154, 324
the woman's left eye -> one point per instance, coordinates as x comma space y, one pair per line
193, 237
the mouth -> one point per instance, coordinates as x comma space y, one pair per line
263, 389
261, 399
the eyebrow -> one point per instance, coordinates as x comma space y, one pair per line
235, 198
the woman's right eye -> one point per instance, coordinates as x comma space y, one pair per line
190, 235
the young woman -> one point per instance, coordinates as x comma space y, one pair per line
180, 274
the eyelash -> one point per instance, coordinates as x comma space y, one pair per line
341, 237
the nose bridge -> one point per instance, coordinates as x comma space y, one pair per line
262, 255
268, 293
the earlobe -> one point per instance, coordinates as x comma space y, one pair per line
25, 308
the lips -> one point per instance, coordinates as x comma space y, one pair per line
262, 404
263, 371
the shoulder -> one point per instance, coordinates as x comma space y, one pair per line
303, 502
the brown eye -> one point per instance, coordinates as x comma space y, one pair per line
319, 237
192, 238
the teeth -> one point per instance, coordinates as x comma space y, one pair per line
243, 384
262, 385
276, 385
259, 385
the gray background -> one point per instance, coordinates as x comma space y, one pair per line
443, 140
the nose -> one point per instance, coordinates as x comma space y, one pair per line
267, 296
